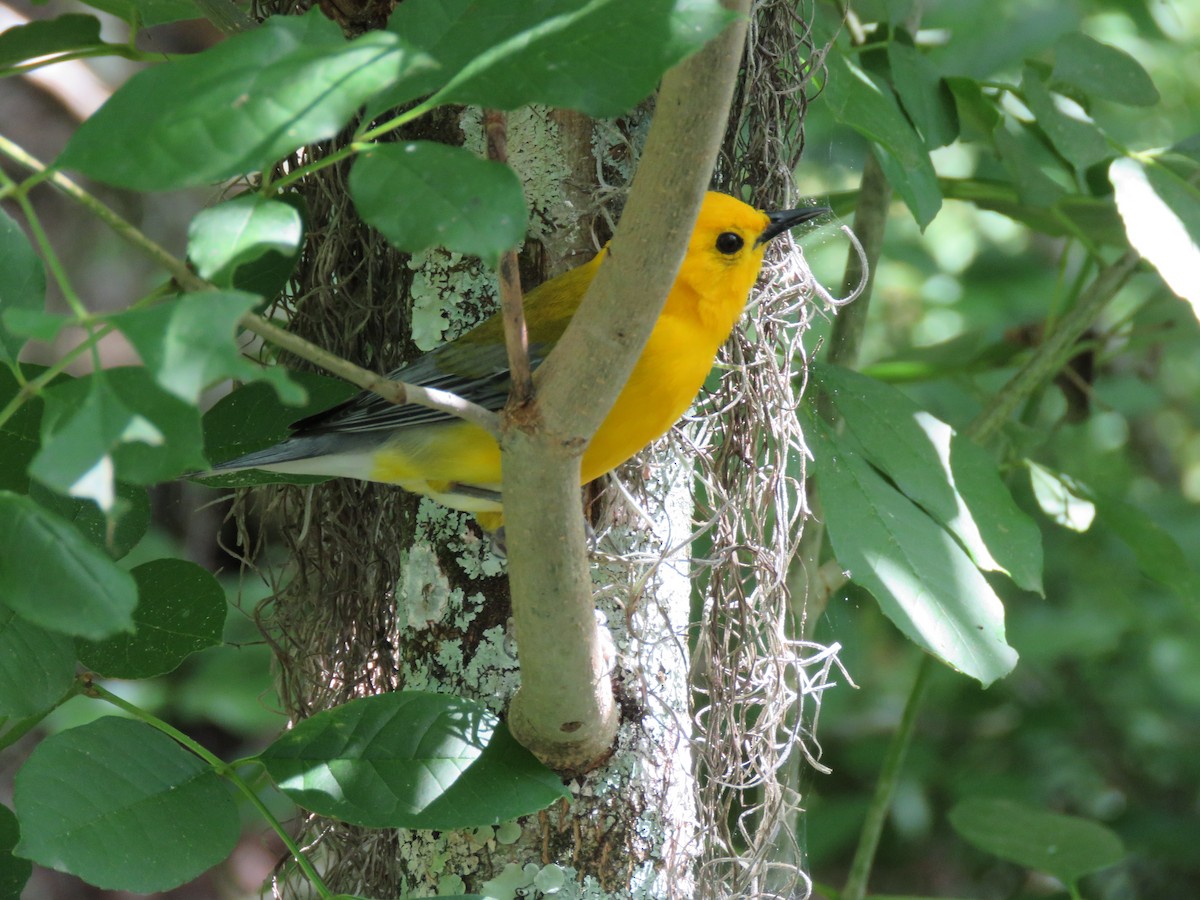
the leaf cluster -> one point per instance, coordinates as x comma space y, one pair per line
1062, 341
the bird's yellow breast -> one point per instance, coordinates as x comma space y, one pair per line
664, 382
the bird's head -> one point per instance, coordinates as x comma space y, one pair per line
725, 254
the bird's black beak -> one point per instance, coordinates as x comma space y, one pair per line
787, 219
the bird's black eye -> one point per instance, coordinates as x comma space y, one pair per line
729, 242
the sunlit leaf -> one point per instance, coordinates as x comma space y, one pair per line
597, 56
80, 438
857, 100
942, 472
921, 577
1061, 498
226, 237
1161, 212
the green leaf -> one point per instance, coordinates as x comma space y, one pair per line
268, 275
52, 576
148, 13
78, 440
19, 436
977, 113
252, 418
923, 580
22, 282
870, 108
597, 56
600, 57
1064, 121
944, 473
410, 760
926, 98
123, 807
116, 534
1102, 70
34, 323
136, 392
452, 199
36, 667
1066, 847
1061, 497
181, 610
13, 872
1010, 537
1158, 554
1161, 212
45, 38
226, 237
883, 422
1025, 161
189, 344
236, 107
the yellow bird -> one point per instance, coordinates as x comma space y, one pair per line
457, 463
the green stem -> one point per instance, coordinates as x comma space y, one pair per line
1055, 351
270, 188
21, 195
225, 771
27, 724
885, 788
400, 120
176, 267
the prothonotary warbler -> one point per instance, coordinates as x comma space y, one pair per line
457, 463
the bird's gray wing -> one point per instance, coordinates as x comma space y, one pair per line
476, 373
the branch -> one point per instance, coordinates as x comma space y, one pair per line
516, 337
1056, 350
564, 711
398, 392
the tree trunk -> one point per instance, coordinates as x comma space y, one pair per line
388, 592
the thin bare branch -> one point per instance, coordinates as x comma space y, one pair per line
516, 337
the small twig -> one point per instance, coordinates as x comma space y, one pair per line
397, 392
516, 336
